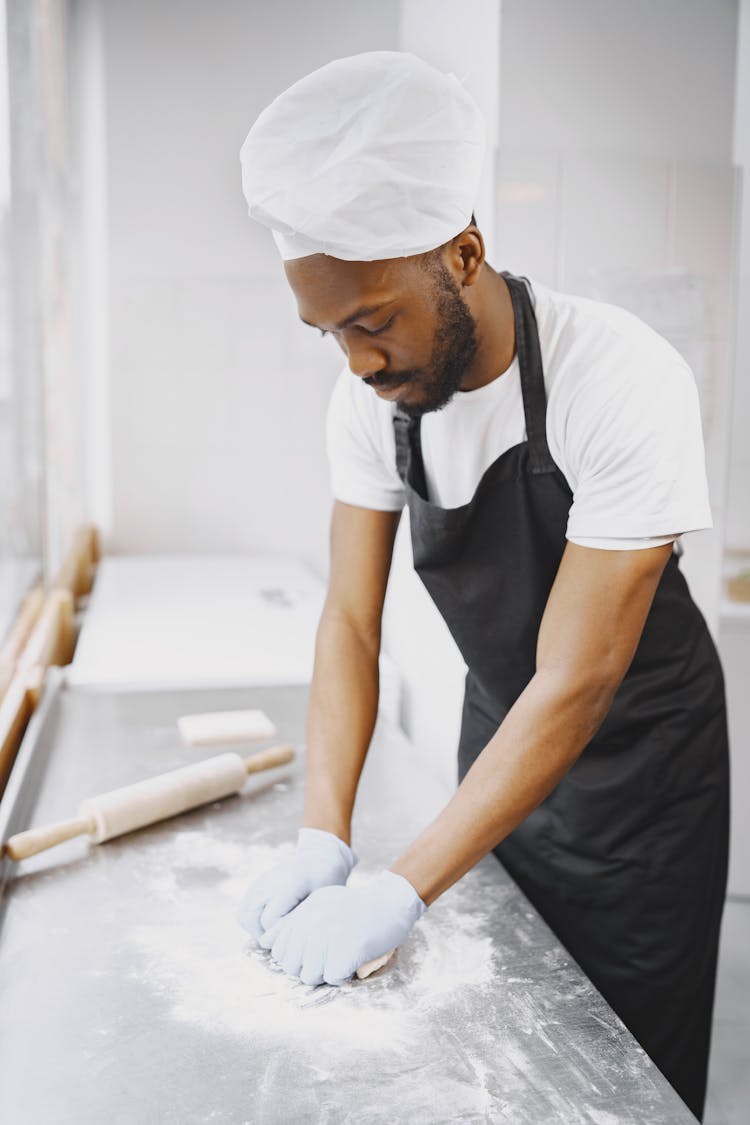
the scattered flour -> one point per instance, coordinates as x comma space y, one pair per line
601, 1117
196, 956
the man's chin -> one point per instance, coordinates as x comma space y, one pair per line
418, 407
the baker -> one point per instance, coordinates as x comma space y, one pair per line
550, 453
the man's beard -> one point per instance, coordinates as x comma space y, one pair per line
453, 351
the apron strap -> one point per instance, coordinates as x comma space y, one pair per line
532, 376
409, 463
401, 431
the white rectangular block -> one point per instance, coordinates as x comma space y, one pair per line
225, 726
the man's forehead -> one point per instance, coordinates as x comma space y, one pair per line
331, 290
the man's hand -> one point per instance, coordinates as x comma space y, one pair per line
321, 860
338, 929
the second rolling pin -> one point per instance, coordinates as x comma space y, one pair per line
157, 798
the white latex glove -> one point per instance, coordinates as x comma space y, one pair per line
338, 929
321, 860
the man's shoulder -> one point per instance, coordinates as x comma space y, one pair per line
353, 402
587, 330
357, 417
361, 447
604, 366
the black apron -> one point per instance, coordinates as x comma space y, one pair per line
626, 859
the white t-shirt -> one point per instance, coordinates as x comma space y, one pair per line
623, 425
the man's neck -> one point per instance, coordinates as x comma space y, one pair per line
492, 309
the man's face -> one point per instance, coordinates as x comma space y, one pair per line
402, 323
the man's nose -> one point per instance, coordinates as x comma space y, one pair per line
364, 359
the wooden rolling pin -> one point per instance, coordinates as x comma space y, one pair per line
157, 798
371, 967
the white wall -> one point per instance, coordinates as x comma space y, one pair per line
88, 99
734, 632
218, 394
653, 78
738, 515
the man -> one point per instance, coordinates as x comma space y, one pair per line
550, 451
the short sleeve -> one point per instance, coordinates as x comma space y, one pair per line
361, 449
633, 439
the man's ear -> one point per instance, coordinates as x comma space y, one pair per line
467, 254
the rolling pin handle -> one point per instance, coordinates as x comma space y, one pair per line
268, 759
371, 967
25, 844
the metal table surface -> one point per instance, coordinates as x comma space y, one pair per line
129, 995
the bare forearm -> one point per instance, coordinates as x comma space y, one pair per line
540, 738
340, 721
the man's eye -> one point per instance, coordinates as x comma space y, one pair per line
369, 331
377, 331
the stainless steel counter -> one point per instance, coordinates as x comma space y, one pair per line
128, 994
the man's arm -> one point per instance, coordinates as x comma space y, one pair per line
588, 636
344, 693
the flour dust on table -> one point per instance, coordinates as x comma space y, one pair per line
197, 958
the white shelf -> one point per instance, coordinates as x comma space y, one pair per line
162, 621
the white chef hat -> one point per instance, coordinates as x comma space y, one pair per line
374, 156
